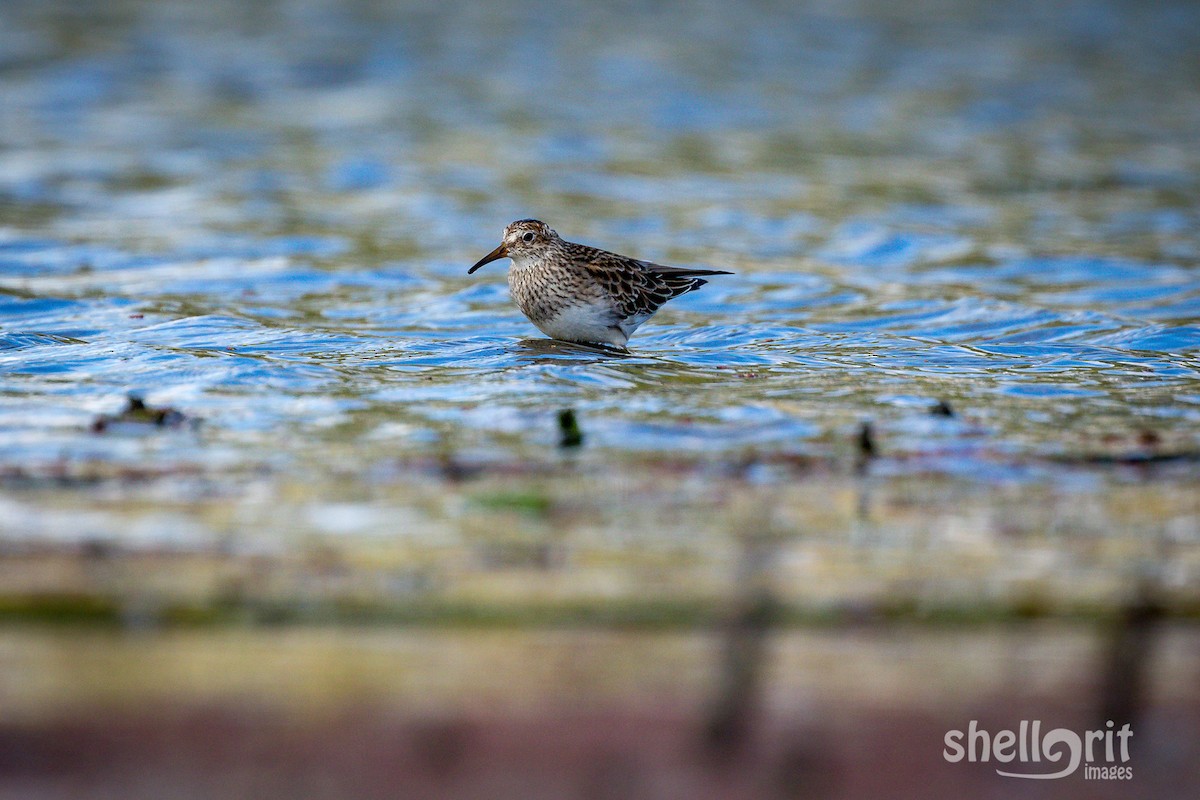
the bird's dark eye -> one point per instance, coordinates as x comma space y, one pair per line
528, 236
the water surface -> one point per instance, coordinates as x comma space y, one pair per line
263, 216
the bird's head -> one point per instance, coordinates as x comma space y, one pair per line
523, 241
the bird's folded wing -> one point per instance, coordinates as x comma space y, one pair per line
638, 288
634, 290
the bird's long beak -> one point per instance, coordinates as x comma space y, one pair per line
499, 252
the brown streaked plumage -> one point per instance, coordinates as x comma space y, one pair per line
583, 294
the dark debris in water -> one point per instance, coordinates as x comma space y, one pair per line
942, 409
570, 433
867, 448
138, 413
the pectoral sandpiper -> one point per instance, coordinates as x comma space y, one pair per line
582, 294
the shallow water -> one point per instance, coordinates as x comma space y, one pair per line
263, 216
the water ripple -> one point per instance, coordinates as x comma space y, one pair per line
272, 231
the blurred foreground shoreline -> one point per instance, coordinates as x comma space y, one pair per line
783, 628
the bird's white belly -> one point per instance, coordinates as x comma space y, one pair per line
585, 322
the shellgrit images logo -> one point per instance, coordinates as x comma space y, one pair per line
1056, 753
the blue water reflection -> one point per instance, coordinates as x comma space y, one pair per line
264, 215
